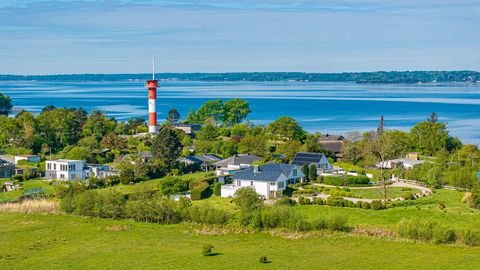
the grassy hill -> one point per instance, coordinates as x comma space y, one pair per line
67, 242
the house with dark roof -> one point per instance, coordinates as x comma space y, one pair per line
7, 169
204, 161
269, 180
318, 159
234, 163
333, 144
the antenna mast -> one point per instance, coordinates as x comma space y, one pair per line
153, 68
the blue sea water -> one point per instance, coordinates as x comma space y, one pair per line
318, 106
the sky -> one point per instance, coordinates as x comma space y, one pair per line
64, 37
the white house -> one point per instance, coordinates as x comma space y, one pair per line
406, 163
28, 158
269, 180
63, 169
234, 163
98, 171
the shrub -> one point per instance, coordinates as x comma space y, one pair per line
366, 205
333, 180
425, 230
356, 180
283, 217
377, 205
337, 223
201, 191
217, 188
319, 224
318, 201
441, 206
206, 215
207, 250
286, 201
263, 259
409, 196
469, 238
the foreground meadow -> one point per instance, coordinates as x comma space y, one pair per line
39, 241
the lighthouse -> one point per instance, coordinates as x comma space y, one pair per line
152, 102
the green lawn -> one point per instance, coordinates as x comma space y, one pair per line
67, 242
13, 195
153, 184
456, 214
377, 193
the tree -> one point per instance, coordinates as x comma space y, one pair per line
312, 172
256, 145
286, 127
247, 199
290, 148
312, 143
353, 151
430, 136
208, 133
166, 146
235, 111
98, 125
305, 169
173, 115
5, 104
210, 109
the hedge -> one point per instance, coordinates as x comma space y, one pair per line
201, 191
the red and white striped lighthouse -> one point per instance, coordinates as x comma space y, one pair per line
152, 102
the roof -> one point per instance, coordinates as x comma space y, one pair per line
302, 158
27, 156
330, 138
5, 162
66, 160
237, 160
267, 172
333, 146
202, 158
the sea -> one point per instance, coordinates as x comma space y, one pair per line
325, 107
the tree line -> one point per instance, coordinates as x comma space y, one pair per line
359, 77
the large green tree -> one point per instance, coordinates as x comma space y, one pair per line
287, 127
235, 111
5, 104
430, 136
166, 146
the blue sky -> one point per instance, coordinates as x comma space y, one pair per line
49, 37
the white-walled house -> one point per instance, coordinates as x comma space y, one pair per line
63, 169
235, 163
269, 180
28, 158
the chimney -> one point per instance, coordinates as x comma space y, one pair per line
255, 168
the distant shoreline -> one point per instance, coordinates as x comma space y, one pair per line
378, 77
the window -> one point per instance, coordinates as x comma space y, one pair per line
239, 183
281, 185
54, 166
272, 183
294, 172
251, 183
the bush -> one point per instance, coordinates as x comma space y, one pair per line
366, 205
201, 191
469, 238
207, 250
263, 259
356, 180
206, 215
286, 201
333, 180
318, 201
319, 224
425, 230
337, 223
377, 205
217, 188
283, 217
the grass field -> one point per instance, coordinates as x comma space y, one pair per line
66, 242
153, 184
456, 214
13, 195
377, 193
